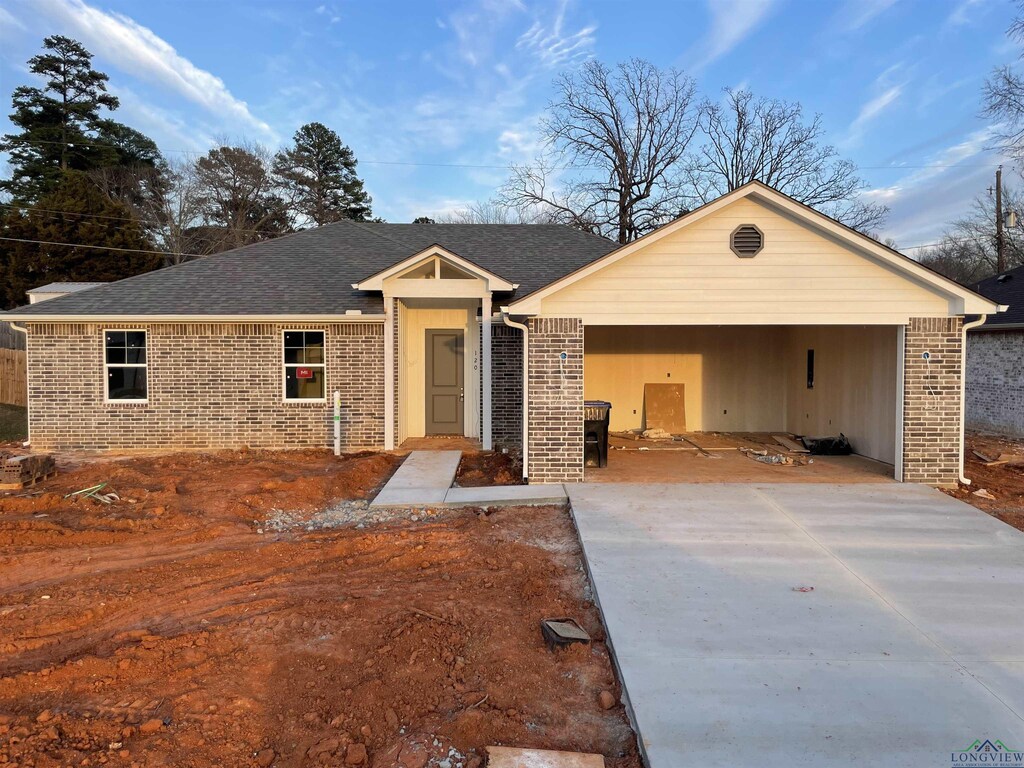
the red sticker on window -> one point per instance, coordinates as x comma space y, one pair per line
303, 373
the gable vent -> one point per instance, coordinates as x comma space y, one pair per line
746, 241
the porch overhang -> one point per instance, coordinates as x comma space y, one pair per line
439, 288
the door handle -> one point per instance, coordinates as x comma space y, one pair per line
462, 394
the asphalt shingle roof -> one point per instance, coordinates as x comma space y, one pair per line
63, 287
312, 272
1007, 288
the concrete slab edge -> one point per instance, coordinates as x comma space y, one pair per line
626, 700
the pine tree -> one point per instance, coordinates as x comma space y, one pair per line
58, 122
91, 218
318, 176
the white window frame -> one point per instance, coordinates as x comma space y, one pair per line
285, 366
107, 366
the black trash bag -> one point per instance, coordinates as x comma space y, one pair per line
828, 446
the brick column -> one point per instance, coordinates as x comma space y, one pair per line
556, 400
931, 401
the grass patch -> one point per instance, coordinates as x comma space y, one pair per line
13, 423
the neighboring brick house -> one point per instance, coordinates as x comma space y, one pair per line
771, 316
995, 360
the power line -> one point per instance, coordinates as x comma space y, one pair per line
98, 247
55, 213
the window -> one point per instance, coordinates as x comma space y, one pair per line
125, 365
304, 365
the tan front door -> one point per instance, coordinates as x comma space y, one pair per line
444, 378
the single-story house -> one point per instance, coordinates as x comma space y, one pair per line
772, 315
995, 360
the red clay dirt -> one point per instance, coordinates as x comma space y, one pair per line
169, 631
479, 468
1004, 481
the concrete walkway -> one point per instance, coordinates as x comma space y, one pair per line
909, 648
426, 477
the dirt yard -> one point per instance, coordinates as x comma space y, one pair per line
232, 610
478, 468
1005, 481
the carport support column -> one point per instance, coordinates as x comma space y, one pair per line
485, 372
931, 400
556, 400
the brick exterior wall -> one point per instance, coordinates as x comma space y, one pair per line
209, 386
995, 382
931, 401
556, 400
507, 387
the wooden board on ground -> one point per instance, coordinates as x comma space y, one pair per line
664, 407
714, 441
513, 757
789, 444
619, 443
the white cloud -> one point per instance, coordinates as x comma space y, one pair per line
731, 22
939, 164
857, 13
9, 21
140, 52
552, 45
887, 93
961, 15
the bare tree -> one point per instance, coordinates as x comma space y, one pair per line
748, 139
1003, 94
239, 199
613, 140
493, 212
967, 251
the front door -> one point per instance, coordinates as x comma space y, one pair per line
444, 378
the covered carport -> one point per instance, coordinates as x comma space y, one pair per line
770, 317
745, 380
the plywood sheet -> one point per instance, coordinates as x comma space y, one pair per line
665, 407
714, 441
512, 757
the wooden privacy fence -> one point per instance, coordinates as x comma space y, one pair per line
13, 378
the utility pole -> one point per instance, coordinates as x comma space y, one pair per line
1000, 245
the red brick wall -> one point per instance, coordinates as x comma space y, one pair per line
556, 400
210, 386
931, 401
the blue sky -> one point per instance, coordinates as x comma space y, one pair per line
416, 88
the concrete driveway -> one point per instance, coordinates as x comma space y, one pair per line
909, 648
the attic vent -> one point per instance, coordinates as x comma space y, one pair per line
1004, 278
746, 241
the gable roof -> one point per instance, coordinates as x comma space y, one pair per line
312, 272
1006, 288
968, 300
376, 282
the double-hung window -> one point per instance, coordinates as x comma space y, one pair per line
125, 366
304, 365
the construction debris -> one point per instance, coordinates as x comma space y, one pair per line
983, 494
790, 445
93, 492
513, 757
22, 471
657, 434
